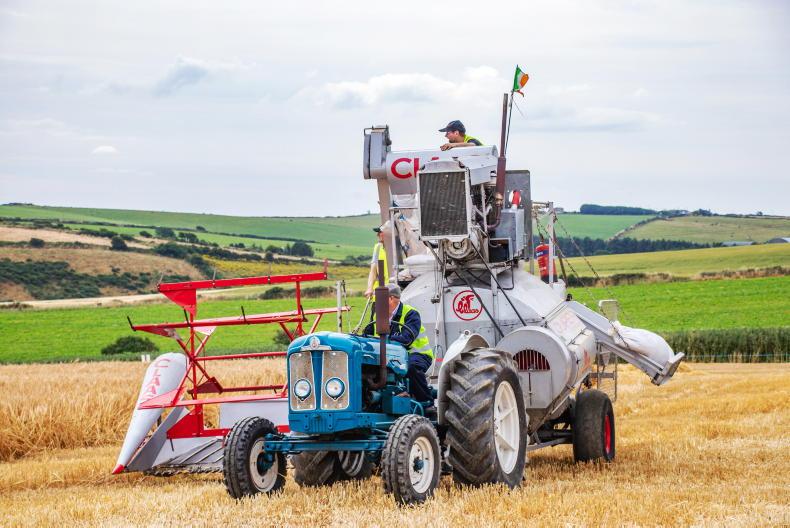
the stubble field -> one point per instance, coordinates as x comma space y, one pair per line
710, 448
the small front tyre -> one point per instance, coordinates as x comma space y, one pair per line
411, 460
248, 468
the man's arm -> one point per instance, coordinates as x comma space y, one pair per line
410, 330
448, 146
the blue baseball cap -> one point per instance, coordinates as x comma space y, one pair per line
454, 125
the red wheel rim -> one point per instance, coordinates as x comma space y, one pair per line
607, 434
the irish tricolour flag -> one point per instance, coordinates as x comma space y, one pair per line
519, 81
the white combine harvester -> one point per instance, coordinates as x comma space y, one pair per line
519, 365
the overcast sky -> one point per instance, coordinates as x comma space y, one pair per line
257, 108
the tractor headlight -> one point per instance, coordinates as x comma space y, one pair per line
302, 389
335, 387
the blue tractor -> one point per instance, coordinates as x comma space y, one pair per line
347, 414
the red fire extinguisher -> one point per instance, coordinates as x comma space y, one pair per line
542, 255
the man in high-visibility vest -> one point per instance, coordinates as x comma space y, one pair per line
456, 135
379, 253
406, 328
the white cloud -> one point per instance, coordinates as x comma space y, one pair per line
103, 150
404, 88
570, 89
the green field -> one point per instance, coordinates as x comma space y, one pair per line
344, 231
592, 226
80, 333
330, 251
347, 230
696, 305
709, 229
687, 262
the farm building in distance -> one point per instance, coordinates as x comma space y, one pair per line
779, 240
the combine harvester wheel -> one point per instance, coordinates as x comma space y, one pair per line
593, 427
487, 432
248, 468
411, 459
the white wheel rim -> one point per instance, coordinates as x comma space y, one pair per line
266, 481
506, 427
421, 455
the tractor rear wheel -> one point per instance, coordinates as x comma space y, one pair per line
411, 459
316, 468
593, 427
354, 465
487, 422
248, 468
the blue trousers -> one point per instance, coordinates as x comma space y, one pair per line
418, 383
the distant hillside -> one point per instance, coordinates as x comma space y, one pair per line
712, 229
347, 230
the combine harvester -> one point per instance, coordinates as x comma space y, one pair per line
519, 365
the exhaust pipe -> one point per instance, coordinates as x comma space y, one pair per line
382, 327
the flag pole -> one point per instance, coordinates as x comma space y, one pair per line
509, 119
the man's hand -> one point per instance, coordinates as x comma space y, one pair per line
368, 293
447, 146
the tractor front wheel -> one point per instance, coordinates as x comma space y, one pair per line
248, 468
593, 427
411, 459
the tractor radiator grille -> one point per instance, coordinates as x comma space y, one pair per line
335, 366
443, 204
300, 366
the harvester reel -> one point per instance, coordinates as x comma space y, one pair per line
487, 423
249, 469
593, 427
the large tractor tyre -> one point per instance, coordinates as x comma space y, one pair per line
316, 468
487, 422
593, 427
411, 459
354, 465
249, 469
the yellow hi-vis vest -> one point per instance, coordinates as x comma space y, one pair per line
467, 138
420, 345
379, 253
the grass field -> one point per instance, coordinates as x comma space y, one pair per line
351, 230
330, 251
592, 226
688, 262
344, 231
695, 305
708, 229
688, 454
41, 335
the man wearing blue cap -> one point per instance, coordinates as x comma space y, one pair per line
455, 132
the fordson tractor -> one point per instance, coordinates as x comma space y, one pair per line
518, 366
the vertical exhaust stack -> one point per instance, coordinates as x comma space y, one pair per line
501, 167
382, 326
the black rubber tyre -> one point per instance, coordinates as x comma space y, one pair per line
411, 459
247, 468
473, 430
593, 427
316, 468
354, 465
